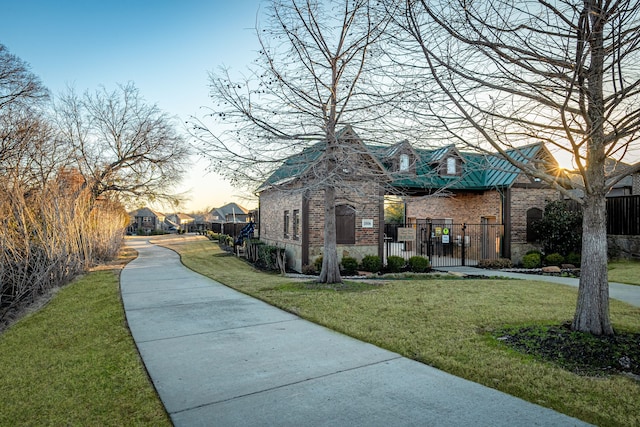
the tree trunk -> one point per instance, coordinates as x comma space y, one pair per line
330, 272
592, 310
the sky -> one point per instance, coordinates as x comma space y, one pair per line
166, 48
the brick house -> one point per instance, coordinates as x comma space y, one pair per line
146, 220
453, 187
444, 186
291, 211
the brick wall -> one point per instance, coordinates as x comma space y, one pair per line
460, 207
364, 197
471, 207
273, 204
523, 199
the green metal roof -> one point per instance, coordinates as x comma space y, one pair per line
479, 171
294, 166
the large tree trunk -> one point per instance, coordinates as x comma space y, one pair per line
592, 310
330, 267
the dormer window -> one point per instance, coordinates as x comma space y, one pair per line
404, 162
452, 168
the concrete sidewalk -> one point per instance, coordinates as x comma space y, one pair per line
220, 358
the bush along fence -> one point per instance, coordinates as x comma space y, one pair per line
263, 256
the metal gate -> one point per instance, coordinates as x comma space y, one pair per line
445, 244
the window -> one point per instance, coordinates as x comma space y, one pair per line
286, 223
451, 166
296, 224
146, 219
345, 225
533, 216
404, 162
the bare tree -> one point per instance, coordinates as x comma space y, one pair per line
50, 230
124, 147
564, 72
22, 97
306, 85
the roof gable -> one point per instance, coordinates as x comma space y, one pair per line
229, 209
296, 166
476, 171
146, 212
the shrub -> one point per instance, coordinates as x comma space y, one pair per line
371, 263
495, 263
267, 257
532, 260
309, 270
560, 228
554, 259
395, 263
225, 240
349, 265
418, 264
573, 258
317, 263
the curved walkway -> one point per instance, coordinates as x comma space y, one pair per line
221, 358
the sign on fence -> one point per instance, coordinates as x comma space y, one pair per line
406, 234
445, 235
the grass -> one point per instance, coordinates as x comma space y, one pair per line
74, 363
625, 271
449, 324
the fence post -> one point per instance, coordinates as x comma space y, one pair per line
464, 241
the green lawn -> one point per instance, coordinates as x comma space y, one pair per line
448, 324
74, 363
625, 271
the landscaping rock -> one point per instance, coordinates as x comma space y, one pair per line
551, 269
568, 267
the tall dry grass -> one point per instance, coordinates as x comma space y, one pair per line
49, 235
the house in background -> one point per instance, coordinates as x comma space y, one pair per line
179, 222
146, 221
231, 213
445, 190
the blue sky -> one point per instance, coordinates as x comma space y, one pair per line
165, 47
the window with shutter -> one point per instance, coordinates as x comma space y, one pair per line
345, 225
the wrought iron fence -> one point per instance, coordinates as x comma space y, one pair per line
445, 244
623, 215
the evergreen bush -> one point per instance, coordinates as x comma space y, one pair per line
554, 259
395, 263
418, 264
349, 265
371, 263
573, 258
532, 260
